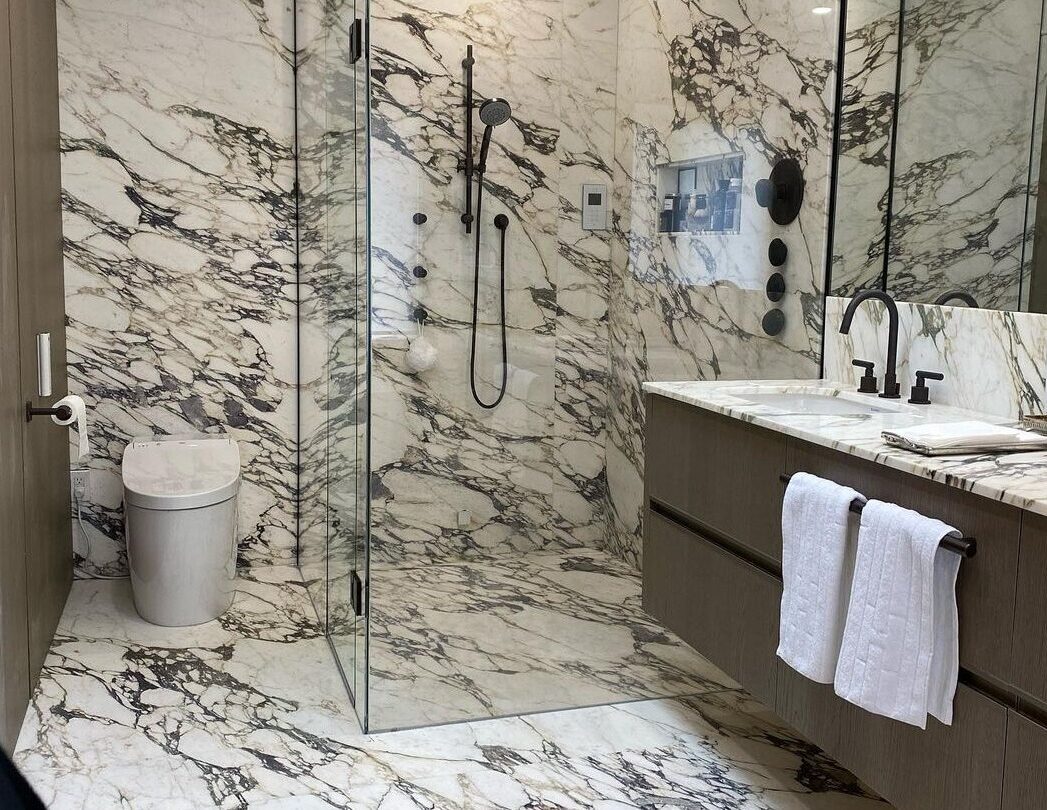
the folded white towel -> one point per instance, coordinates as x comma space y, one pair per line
958, 438
817, 559
900, 653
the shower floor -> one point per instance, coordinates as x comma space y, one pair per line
529, 633
250, 712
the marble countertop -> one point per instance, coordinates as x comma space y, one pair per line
1018, 479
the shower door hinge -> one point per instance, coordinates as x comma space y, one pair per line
356, 593
356, 41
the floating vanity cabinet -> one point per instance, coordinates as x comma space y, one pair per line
731, 608
719, 473
985, 590
957, 767
1030, 623
712, 573
1025, 784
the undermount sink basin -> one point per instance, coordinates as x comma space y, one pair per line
815, 402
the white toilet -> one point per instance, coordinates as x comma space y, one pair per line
180, 497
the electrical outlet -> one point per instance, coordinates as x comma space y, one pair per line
79, 479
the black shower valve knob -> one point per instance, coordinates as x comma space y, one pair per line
773, 322
501, 222
419, 271
777, 252
419, 218
776, 287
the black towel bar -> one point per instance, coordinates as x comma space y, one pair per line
966, 547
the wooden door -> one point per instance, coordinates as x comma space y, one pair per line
36, 567
14, 662
41, 297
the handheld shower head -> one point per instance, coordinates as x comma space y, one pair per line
493, 113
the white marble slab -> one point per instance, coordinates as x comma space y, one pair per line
249, 711
1018, 479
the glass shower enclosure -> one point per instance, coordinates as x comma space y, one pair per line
331, 88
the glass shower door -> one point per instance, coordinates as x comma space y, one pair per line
347, 331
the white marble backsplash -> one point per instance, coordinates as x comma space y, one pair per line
177, 125
994, 362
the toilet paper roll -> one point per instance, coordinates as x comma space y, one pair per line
79, 416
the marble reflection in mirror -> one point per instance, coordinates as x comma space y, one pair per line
939, 153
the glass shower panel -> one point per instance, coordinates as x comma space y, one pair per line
463, 497
347, 437
332, 115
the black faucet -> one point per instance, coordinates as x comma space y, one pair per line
957, 295
891, 387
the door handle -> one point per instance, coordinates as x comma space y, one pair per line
43, 364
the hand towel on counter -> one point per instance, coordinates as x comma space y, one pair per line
960, 438
900, 653
816, 568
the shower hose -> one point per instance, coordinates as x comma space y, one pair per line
502, 222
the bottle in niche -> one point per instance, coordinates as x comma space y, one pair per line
668, 214
719, 205
732, 218
700, 221
680, 217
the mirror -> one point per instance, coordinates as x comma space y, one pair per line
939, 144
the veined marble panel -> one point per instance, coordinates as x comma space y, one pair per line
864, 170
993, 362
528, 633
249, 711
966, 114
705, 79
452, 480
178, 171
968, 132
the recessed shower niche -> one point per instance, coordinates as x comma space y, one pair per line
701, 195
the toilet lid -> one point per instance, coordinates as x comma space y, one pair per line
180, 472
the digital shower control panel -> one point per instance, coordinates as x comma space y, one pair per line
594, 207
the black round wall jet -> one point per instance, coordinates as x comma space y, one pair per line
493, 113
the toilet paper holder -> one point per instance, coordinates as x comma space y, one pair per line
62, 412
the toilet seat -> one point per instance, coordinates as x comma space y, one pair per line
180, 472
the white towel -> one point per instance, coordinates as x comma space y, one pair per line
817, 559
961, 438
900, 654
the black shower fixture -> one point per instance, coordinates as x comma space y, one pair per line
782, 193
493, 113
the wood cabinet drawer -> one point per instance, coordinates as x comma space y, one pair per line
721, 472
958, 767
1030, 621
1025, 782
986, 586
719, 604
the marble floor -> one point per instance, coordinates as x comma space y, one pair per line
521, 634
249, 712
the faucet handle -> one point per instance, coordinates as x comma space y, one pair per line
868, 384
920, 393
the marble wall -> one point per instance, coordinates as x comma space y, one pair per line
178, 172
698, 79
993, 362
966, 140
450, 479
